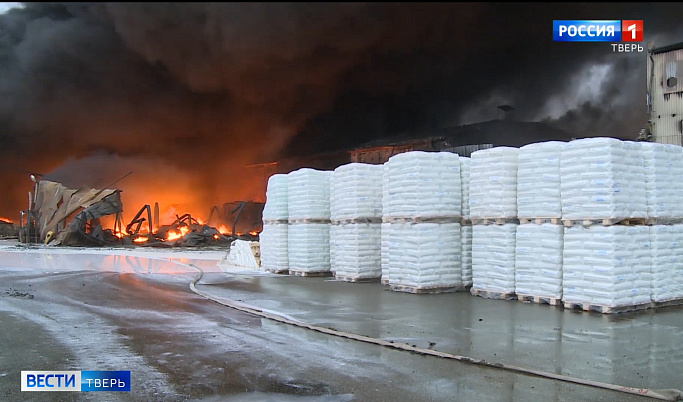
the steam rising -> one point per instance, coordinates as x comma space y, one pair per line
186, 94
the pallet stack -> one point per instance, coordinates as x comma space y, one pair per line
423, 212
273, 238
308, 237
356, 216
539, 241
606, 257
493, 211
385, 225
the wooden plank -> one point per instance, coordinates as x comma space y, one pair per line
310, 273
276, 270
493, 294
605, 222
668, 303
605, 309
355, 279
494, 221
426, 289
553, 301
540, 221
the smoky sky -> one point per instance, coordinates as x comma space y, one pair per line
186, 94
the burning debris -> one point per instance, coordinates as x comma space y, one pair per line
52, 205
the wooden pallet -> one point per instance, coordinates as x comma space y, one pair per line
300, 221
354, 279
384, 281
553, 301
353, 221
540, 221
422, 219
311, 273
668, 303
423, 290
494, 221
605, 222
605, 309
465, 222
275, 221
276, 270
496, 295
664, 221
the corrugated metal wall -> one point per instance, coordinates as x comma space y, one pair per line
467, 150
666, 96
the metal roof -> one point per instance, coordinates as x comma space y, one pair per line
664, 49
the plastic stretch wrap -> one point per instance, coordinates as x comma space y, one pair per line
425, 254
357, 251
466, 242
666, 251
276, 207
493, 257
465, 165
538, 180
607, 265
538, 260
493, 183
423, 184
663, 172
274, 247
356, 191
602, 178
309, 194
309, 247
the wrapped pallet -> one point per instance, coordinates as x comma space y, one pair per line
422, 256
493, 183
602, 178
493, 259
466, 242
273, 238
538, 180
663, 170
538, 261
606, 266
356, 212
385, 226
309, 247
309, 194
465, 165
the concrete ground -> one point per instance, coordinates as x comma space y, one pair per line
133, 310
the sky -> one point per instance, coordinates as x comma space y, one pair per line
185, 95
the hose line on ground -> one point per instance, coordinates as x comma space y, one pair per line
663, 394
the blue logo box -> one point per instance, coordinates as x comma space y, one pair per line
587, 30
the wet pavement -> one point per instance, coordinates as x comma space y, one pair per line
117, 310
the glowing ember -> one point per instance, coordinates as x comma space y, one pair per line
141, 239
254, 233
215, 236
5, 220
177, 234
223, 230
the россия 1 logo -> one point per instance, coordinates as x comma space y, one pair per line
598, 30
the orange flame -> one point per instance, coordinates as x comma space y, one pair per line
223, 230
6, 220
141, 239
175, 235
253, 233
215, 236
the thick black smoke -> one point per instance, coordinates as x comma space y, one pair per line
185, 94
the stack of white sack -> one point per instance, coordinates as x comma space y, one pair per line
309, 194
666, 250
276, 208
493, 257
538, 260
273, 238
607, 265
424, 255
309, 247
385, 226
358, 253
357, 191
465, 165
466, 242
424, 184
356, 198
309, 201
602, 178
538, 180
493, 183
274, 247
663, 170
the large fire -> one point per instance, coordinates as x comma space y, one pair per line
5, 220
175, 235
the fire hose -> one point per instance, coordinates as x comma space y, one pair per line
661, 394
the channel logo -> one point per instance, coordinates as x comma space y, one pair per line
597, 30
78, 381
